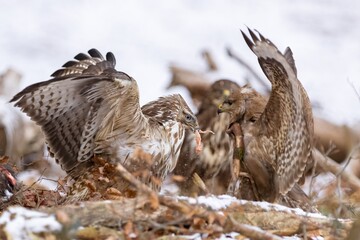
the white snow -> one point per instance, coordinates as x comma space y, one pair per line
37, 38
319, 185
32, 176
196, 236
19, 222
222, 201
212, 201
132, 235
277, 207
227, 236
293, 238
11, 119
145, 36
169, 187
7, 196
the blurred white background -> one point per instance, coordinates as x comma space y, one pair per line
38, 36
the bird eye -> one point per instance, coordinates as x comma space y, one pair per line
252, 119
228, 102
188, 117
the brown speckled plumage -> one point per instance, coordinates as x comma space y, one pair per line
278, 144
89, 107
213, 163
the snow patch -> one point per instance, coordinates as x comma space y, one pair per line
214, 202
281, 208
31, 176
18, 226
227, 236
7, 196
222, 201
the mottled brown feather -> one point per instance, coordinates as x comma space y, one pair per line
214, 162
89, 107
281, 139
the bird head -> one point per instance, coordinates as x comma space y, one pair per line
183, 114
188, 119
171, 108
186, 116
218, 91
233, 104
244, 105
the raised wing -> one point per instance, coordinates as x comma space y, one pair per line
287, 120
76, 109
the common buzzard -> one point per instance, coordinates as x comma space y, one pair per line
90, 108
278, 145
214, 162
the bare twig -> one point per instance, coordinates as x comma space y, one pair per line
251, 231
32, 184
355, 90
330, 165
247, 66
194, 210
141, 187
212, 66
200, 183
338, 180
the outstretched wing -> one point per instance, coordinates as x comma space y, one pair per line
287, 118
77, 107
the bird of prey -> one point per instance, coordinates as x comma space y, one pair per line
88, 108
278, 145
214, 162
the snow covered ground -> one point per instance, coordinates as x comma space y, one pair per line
37, 37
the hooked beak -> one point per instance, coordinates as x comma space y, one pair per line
220, 109
195, 129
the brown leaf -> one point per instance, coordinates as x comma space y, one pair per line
177, 178
154, 200
62, 217
90, 185
129, 228
113, 194
198, 223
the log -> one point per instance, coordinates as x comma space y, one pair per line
329, 165
341, 138
255, 220
196, 83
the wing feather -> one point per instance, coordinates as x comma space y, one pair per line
80, 99
290, 59
287, 118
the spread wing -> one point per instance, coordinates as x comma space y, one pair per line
76, 109
287, 118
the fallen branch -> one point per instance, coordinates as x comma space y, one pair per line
192, 211
339, 138
196, 83
212, 66
251, 231
330, 165
255, 220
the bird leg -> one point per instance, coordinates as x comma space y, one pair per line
239, 186
235, 132
252, 183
